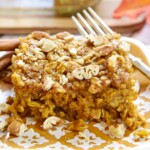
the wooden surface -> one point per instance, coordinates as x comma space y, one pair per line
24, 23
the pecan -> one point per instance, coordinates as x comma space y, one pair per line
52, 121
63, 80
86, 72
117, 130
47, 45
63, 35
16, 128
124, 46
39, 35
73, 51
103, 50
47, 83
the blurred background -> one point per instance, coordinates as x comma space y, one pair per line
129, 17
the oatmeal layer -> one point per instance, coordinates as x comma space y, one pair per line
86, 78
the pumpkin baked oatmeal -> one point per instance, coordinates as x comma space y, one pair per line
88, 79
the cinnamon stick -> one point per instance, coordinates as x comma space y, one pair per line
5, 62
8, 44
6, 53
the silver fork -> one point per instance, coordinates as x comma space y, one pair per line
102, 29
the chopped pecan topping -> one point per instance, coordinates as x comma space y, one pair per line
16, 128
39, 35
47, 83
52, 121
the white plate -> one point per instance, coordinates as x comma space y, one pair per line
99, 138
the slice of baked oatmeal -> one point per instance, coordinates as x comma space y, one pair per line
88, 79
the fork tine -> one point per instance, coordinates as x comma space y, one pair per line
79, 26
88, 27
95, 25
136, 62
102, 23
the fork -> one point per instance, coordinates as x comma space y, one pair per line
102, 29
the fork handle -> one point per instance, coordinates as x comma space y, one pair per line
140, 65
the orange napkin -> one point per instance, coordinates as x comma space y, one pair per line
133, 8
